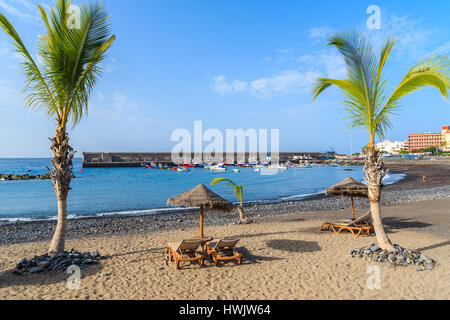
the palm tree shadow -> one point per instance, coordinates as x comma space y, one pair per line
8, 279
144, 251
394, 223
312, 230
434, 246
297, 246
250, 258
263, 234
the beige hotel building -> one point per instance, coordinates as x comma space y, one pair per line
426, 140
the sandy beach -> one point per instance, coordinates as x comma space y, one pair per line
285, 257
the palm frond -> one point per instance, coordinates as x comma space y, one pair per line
40, 95
431, 72
359, 59
69, 59
216, 181
365, 89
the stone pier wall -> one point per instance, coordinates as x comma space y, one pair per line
135, 159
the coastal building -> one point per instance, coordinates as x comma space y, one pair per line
426, 140
446, 142
393, 147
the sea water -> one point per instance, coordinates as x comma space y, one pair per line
138, 191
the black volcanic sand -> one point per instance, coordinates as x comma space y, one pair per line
435, 176
410, 189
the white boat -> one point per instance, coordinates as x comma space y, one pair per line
334, 165
182, 170
236, 170
257, 169
217, 168
317, 165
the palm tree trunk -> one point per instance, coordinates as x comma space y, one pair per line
241, 213
61, 177
374, 172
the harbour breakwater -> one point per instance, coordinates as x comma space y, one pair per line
136, 159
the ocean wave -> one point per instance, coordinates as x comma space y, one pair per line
302, 196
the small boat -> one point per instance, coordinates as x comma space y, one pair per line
334, 165
182, 170
217, 168
236, 170
257, 169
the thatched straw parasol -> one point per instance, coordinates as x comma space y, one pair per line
349, 187
201, 197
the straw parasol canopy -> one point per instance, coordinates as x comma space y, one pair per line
201, 197
349, 187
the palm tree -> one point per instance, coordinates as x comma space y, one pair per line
60, 82
444, 145
238, 192
369, 105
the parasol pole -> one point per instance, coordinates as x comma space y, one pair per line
353, 209
201, 221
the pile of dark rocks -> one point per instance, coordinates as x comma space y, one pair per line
61, 262
401, 258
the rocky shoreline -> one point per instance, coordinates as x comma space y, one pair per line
97, 226
16, 177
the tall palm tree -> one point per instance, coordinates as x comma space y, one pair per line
370, 106
238, 191
60, 82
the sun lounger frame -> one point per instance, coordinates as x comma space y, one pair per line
186, 250
224, 246
356, 227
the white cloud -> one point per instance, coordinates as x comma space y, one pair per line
414, 40
26, 4
331, 61
100, 96
320, 33
443, 49
22, 9
286, 51
286, 82
122, 105
113, 65
222, 86
290, 81
116, 106
10, 96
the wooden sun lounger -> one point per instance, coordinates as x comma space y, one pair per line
224, 250
357, 227
185, 250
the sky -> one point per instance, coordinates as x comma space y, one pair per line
231, 64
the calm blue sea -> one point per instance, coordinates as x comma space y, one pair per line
136, 191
